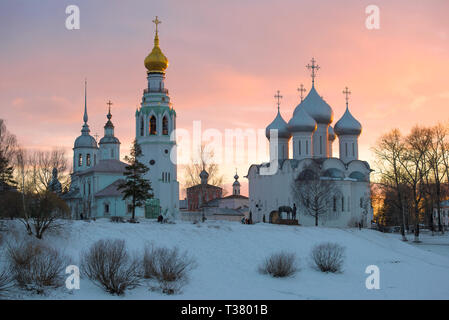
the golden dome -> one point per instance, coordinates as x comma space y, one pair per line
156, 61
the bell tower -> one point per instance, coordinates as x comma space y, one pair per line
155, 125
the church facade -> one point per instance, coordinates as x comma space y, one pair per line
98, 171
310, 135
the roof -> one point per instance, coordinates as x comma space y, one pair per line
109, 165
111, 190
235, 196
203, 185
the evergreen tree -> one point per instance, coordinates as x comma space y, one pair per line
6, 171
136, 186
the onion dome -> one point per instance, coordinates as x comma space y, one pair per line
316, 107
156, 61
280, 125
331, 133
204, 176
301, 121
348, 125
236, 182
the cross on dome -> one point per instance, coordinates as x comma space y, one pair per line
156, 22
314, 67
278, 97
301, 90
109, 103
346, 92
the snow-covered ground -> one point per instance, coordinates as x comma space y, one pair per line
228, 254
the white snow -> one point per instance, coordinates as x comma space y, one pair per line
228, 254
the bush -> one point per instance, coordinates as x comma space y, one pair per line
279, 265
108, 264
6, 280
168, 266
35, 266
117, 219
328, 257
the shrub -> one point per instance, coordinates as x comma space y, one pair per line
35, 266
328, 257
108, 264
117, 219
6, 280
279, 265
169, 267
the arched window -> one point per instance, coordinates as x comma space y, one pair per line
95, 159
307, 147
299, 147
342, 203
335, 203
153, 125
80, 160
164, 125
141, 127
353, 150
346, 149
88, 159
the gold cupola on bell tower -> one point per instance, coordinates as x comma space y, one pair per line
156, 61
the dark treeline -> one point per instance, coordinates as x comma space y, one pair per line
412, 178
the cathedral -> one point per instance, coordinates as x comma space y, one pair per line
97, 169
311, 136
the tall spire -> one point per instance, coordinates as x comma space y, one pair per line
314, 67
85, 118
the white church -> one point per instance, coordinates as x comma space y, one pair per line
310, 135
97, 169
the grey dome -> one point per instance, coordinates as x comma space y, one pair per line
109, 139
301, 121
85, 141
316, 107
280, 125
331, 133
348, 125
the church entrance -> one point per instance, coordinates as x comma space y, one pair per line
152, 209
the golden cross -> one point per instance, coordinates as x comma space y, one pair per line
301, 90
346, 92
156, 22
313, 67
278, 97
109, 103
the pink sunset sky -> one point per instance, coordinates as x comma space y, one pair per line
227, 60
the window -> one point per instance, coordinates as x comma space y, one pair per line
321, 144
342, 203
130, 208
299, 147
169, 177
153, 125
353, 150
106, 208
95, 159
361, 202
88, 159
164, 126
346, 149
80, 160
88, 187
141, 126
335, 204
112, 153
163, 176
307, 147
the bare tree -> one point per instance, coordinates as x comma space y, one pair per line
314, 193
42, 164
389, 151
8, 145
203, 160
414, 167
